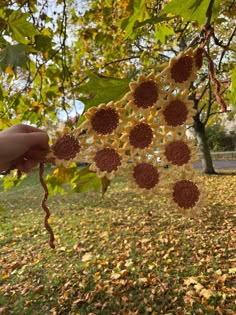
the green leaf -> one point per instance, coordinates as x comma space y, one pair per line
3, 42
162, 31
153, 20
54, 185
12, 181
232, 89
2, 209
86, 181
103, 90
21, 29
192, 10
1, 93
139, 14
13, 55
105, 184
43, 43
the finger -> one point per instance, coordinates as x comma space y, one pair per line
29, 129
27, 165
37, 140
36, 154
21, 128
5, 166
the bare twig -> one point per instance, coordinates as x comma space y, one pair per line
209, 103
120, 60
226, 46
202, 94
216, 113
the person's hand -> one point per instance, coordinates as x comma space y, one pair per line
22, 147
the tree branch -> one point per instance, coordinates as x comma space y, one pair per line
209, 104
120, 60
227, 45
215, 113
203, 92
209, 14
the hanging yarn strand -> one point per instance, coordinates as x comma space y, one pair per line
45, 208
207, 33
215, 81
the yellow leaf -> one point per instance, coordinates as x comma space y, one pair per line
198, 287
5, 276
9, 70
115, 276
222, 278
206, 293
87, 257
129, 262
145, 240
232, 270
33, 104
50, 219
190, 280
218, 272
189, 297
142, 280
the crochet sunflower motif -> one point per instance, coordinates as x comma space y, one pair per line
143, 135
177, 111
106, 160
103, 122
186, 193
178, 151
144, 174
145, 95
65, 150
181, 70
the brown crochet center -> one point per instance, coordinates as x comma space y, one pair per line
107, 160
141, 136
105, 121
146, 175
186, 194
175, 113
146, 94
178, 153
66, 147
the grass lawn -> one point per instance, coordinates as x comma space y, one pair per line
121, 254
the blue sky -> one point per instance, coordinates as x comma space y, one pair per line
77, 107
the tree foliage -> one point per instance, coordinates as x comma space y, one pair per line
54, 52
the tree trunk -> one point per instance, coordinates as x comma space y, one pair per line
207, 164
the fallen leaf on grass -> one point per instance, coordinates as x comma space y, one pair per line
115, 276
38, 288
190, 280
206, 293
87, 257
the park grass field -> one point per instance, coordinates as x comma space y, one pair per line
120, 254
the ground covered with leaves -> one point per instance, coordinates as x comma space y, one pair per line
121, 254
